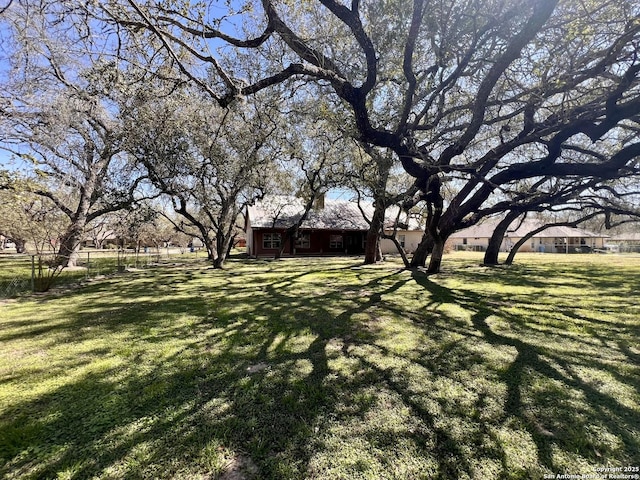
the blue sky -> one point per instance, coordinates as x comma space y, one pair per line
229, 26
8, 161
4, 66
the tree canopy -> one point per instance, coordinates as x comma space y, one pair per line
210, 162
60, 115
480, 101
474, 95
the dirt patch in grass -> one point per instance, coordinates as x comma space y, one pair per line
240, 467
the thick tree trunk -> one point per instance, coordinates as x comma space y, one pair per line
21, 245
401, 251
493, 249
70, 242
373, 251
210, 245
423, 250
219, 262
516, 247
436, 255
230, 246
433, 239
70, 245
372, 247
223, 246
289, 237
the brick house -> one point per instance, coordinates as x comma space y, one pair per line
333, 227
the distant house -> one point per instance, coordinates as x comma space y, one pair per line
99, 238
551, 240
333, 227
625, 242
6, 243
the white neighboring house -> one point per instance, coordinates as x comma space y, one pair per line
624, 242
409, 232
551, 240
6, 243
333, 227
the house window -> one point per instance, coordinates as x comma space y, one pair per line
464, 241
335, 241
401, 240
270, 240
303, 241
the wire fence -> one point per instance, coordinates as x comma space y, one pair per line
23, 274
14, 286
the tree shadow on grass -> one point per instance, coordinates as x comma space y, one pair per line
311, 371
118, 422
561, 406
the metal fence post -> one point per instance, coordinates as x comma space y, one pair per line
88, 265
33, 273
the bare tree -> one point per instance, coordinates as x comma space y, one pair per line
59, 115
316, 155
209, 163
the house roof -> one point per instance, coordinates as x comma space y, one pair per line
517, 230
626, 237
282, 211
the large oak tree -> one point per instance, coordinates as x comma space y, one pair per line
462, 92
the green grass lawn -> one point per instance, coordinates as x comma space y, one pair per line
16, 270
325, 369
